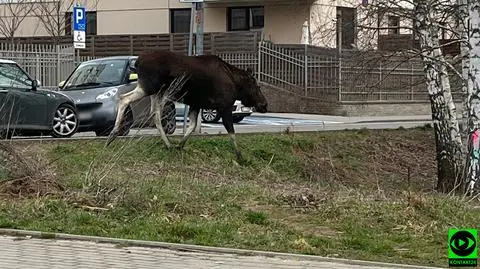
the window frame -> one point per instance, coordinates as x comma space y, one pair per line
249, 19
172, 19
393, 29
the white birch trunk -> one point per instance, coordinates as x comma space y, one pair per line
447, 134
462, 14
473, 156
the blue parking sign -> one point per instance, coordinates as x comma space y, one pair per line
79, 19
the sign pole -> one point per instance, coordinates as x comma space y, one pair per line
199, 18
190, 53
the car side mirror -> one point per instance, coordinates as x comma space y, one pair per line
39, 83
60, 85
132, 77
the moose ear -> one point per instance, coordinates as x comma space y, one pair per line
249, 70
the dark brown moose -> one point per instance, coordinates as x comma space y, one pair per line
206, 82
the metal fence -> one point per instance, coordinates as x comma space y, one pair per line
47, 63
346, 77
320, 73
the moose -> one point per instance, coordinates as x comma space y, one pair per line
208, 83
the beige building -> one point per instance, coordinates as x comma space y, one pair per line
323, 22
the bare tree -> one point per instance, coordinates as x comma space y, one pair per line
52, 15
447, 133
473, 103
422, 19
13, 13
462, 32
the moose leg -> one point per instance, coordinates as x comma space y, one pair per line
123, 102
157, 108
227, 120
192, 115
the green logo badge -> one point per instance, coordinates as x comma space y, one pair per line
462, 247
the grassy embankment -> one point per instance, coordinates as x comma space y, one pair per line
353, 194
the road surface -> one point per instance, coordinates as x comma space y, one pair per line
280, 122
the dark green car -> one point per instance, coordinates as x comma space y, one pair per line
25, 109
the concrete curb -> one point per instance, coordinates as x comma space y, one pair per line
393, 120
197, 248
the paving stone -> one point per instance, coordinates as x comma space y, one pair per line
66, 254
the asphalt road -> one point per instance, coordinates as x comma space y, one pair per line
275, 123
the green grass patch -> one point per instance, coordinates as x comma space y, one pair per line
358, 194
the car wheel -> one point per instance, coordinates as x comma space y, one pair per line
65, 121
169, 123
124, 130
210, 115
237, 119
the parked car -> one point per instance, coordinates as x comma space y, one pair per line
26, 109
239, 112
95, 86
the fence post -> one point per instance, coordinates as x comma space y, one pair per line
306, 70
37, 67
380, 82
411, 81
259, 59
339, 59
58, 63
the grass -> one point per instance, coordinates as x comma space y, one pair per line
353, 194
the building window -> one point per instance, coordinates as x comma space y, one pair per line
346, 27
91, 23
180, 20
245, 18
393, 25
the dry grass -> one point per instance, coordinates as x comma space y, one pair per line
356, 194
25, 175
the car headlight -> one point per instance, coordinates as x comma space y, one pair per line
108, 94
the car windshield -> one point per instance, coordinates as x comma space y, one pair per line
12, 76
98, 73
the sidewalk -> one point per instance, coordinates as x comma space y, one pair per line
27, 252
347, 119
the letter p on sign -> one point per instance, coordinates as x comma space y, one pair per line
79, 15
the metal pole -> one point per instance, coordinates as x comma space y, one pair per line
199, 50
199, 32
190, 52
306, 70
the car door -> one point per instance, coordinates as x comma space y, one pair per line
25, 107
30, 108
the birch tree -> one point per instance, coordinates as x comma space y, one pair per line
447, 134
424, 19
13, 13
473, 102
462, 32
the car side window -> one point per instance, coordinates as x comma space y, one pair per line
12, 76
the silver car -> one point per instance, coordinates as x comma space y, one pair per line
95, 87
